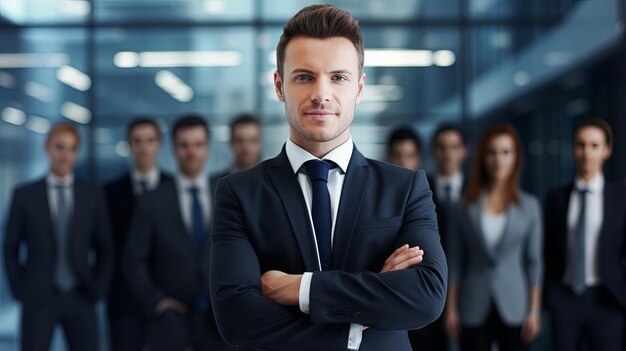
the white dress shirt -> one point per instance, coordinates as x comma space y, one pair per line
594, 213
52, 181
152, 179
184, 198
341, 156
456, 186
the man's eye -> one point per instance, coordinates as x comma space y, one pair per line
339, 78
303, 77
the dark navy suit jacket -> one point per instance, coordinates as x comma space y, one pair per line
30, 223
612, 241
261, 223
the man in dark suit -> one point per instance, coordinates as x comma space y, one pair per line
404, 148
126, 320
299, 241
63, 225
166, 254
585, 249
245, 142
448, 184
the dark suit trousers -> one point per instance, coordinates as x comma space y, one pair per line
594, 318
73, 311
172, 331
432, 337
127, 329
481, 338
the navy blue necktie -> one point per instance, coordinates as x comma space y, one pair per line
197, 216
320, 209
144, 185
64, 277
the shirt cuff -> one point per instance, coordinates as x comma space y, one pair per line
355, 336
305, 289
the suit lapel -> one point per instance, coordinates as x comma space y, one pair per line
609, 202
352, 194
170, 196
474, 211
45, 208
286, 184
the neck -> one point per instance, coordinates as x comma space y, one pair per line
191, 174
241, 165
60, 175
320, 149
497, 187
588, 176
448, 174
144, 169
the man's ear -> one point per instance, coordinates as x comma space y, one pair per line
278, 85
361, 86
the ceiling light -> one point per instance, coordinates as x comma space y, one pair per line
38, 124
13, 115
39, 91
75, 112
33, 60
74, 78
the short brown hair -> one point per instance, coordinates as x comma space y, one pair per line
142, 121
320, 22
63, 128
596, 123
479, 179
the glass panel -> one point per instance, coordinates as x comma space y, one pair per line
45, 11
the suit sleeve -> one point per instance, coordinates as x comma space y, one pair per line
405, 299
534, 245
13, 237
244, 316
136, 257
103, 245
549, 243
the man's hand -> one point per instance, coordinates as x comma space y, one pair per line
403, 257
282, 288
169, 303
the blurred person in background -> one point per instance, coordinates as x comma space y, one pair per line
245, 142
126, 320
166, 256
494, 248
585, 249
63, 225
404, 148
448, 184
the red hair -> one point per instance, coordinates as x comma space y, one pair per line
479, 179
63, 128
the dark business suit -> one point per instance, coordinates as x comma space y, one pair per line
30, 223
433, 336
610, 296
261, 223
126, 320
162, 260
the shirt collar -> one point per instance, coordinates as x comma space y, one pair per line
455, 182
595, 185
151, 177
185, 183
340, 155
56, 181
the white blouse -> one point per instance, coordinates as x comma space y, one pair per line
492, 228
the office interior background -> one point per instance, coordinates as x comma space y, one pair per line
541, 65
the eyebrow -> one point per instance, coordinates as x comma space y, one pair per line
304, 70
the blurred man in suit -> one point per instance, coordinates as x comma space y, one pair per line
303, 244
62, 224
166, 254
404, 148
245, 141
585, 249
126, 320
448, 184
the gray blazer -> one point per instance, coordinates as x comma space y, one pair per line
503, 275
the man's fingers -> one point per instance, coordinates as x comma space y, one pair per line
413, 252
398, 251
408, 263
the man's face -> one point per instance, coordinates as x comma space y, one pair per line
191, 146
63, 151
321, 87
246, 144
144, 145
590, 150
449, 151
404, 153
